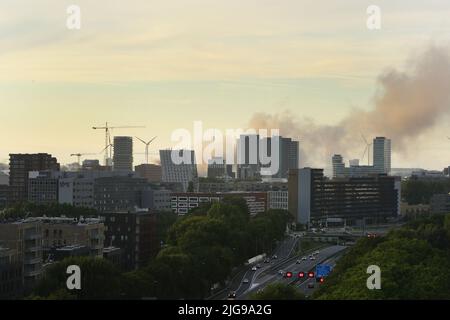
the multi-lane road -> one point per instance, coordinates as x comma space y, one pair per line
261, 279
283, 251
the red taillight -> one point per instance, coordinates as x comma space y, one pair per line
322, 280
288, 274
301, 274
311, 275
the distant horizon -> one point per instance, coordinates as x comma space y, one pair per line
313, 69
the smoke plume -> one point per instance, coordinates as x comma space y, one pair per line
405, 105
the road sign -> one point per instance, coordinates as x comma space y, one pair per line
322, 270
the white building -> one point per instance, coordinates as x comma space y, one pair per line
278, 199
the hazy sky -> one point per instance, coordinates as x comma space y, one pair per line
165, 64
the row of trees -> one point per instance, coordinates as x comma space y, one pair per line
28, 209
201, 249
414, 262
421, 191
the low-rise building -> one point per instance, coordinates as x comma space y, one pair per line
182, 202
11, 274
278, 199
25, 236
59, 232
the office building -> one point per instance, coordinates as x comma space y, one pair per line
160, 199
149, 171
19, 167
313, 198
278, 199
338, 166
382, 155
134, 234
354, 170
120, 193
181, 202
183, 173
123, 154
43, 187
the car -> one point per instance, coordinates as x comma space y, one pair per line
303, 258
254, 269
313, 258
317, 252
311, 285
258, 266
267, 260
298, 261
281, 272
232, 295
245, 280
274, 256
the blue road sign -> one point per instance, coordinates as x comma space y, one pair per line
322, 270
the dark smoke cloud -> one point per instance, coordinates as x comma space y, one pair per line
405, 105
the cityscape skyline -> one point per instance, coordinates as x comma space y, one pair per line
272, 58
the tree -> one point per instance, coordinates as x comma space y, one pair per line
99, 280
414, 262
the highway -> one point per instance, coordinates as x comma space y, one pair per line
260, 279
303, 286
284, 250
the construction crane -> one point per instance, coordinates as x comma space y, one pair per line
108, 144
79, 155
147, 143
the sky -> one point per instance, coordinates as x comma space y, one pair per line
165, 64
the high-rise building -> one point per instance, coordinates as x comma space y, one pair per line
314, 198
287, 152
123, 154
248, 164
382, 155
151, 172
182, 173
19, 167
338, 166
